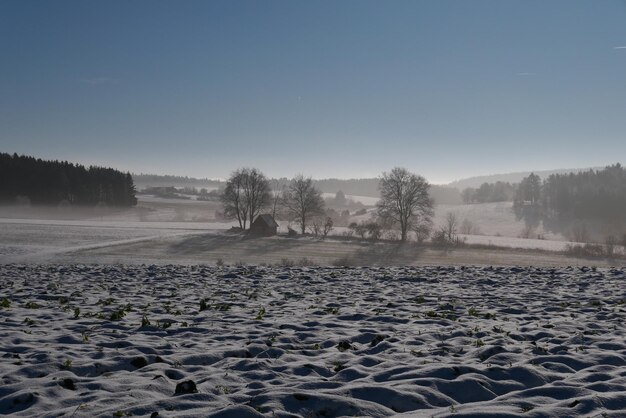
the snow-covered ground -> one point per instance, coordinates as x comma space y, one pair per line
493, 219
511, 242
133, 242
42, 240
89, 341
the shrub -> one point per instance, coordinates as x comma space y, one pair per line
328, 226
422, 232
586, 250
579, 233
358, 229
285, 262
374, 229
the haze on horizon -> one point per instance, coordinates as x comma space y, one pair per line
448, 89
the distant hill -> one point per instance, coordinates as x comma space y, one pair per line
143, 181
513, 177
369, 187
356, 187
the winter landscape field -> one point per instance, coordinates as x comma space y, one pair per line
200, 341
159, 231
312, 209
112, 314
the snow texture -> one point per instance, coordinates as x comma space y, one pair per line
89, 341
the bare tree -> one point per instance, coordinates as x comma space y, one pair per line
303, 200
328, 226
316, 225
233, 200
246, 194
404, 199
256, 192
450, 227
277, 195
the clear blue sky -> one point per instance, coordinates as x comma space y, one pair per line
448, 89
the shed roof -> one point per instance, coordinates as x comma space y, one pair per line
266, 219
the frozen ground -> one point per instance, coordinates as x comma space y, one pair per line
88, 341
44, 240
117, 242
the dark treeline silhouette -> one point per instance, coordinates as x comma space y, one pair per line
43, 182
593, 194
572, 203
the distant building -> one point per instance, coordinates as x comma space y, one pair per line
264, 226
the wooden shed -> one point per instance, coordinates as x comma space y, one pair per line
264, 226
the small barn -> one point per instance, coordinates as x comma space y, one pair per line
264, 226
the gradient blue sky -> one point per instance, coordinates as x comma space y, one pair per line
448, 89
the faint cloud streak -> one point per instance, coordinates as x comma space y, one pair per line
620, 47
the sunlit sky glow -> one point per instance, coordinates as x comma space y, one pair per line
448, 89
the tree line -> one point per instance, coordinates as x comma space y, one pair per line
589, 195
489, 193
37, 181
405, 203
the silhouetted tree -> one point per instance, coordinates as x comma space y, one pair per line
450, 227
340, 198
303, 200
404, 200
257, 194
529, 190
277, 195
468, 195
246, 194
233, 199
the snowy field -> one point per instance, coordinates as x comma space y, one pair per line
89, 341
25, 240
35, 241
492, 219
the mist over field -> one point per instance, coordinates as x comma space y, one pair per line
244, 209
531, 219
